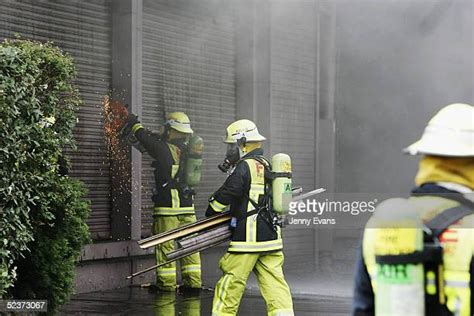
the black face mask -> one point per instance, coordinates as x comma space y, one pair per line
180, 142
231, 157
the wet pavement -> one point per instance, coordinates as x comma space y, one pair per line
144, 301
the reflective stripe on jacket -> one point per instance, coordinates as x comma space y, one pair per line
168, 198
253, 233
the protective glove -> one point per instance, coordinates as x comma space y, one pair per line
128, 135
132, 119
126, 130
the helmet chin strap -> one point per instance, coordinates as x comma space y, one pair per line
241, 144
166, 131
242, 152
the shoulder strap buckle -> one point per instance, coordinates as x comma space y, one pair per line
437, 225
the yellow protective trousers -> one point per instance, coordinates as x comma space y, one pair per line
190, 265
271, 281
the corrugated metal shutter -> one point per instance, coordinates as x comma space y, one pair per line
188, 65
81, 28
293, 58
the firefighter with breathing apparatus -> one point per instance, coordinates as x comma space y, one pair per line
177, 155
256, 243
417, 253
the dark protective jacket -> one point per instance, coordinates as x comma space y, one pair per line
255, 233
169, 197
363, 302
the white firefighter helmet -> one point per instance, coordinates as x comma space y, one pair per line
449, 133
243, 129
179, 121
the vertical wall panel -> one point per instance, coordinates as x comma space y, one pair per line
188, 65
293, 106
293, 59
81, 28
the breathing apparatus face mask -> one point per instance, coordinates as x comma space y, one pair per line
180, 142
231, 157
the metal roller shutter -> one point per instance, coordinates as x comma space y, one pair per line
188, 65
81, 28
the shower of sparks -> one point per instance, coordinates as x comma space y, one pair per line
115, 116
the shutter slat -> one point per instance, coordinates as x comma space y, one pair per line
188, 65
81, 28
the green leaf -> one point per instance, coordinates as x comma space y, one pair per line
42, 213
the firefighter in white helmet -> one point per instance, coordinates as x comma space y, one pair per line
256, 243
173, 199
426, 269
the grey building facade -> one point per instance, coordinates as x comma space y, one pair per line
217, 61
341, 86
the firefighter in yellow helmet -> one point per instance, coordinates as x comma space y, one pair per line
256, 242
173, 199
425, 265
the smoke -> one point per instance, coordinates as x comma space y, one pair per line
398, 63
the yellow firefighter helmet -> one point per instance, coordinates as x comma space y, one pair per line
179, 121
243, 130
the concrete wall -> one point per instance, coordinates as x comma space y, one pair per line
106, 266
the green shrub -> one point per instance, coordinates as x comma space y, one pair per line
42, 211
